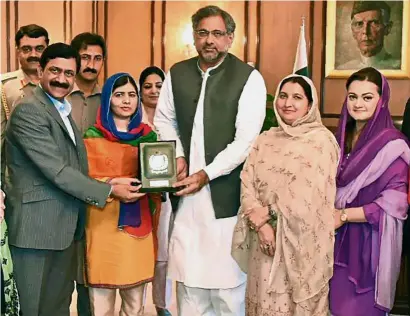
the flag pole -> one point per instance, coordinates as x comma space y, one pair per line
301, 61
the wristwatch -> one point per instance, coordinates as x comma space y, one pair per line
343, 216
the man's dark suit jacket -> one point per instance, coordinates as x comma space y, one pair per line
49, 183
405, 128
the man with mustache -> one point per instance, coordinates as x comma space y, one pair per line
50, 187
85, 100
31, 40
213, 105
370, 23
86, 95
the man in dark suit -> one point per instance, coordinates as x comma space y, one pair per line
405, 128
49, 187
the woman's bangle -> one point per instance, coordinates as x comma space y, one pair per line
273, 217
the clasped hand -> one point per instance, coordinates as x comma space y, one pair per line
123, 189
256, 217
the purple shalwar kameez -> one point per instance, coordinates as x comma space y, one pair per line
373, 176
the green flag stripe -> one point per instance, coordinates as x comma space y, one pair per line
303, 72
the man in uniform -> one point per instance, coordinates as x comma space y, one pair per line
31, 40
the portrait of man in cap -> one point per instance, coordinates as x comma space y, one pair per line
368, 33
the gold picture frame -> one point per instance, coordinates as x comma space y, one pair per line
339, 11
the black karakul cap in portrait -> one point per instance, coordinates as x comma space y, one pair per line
363, 6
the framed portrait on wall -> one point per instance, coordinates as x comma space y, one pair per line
367, 34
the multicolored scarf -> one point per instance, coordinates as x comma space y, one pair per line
138, 132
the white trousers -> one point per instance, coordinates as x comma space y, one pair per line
102, 301
210, 302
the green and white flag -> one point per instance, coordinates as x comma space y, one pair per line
301, 61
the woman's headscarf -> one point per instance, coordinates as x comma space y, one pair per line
149, 71
296, 167
105, 120
378, 131
130, 217
306, 123
377, 147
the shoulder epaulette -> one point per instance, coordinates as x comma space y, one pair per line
8, 76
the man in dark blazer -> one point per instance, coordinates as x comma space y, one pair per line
49, 187
405, 128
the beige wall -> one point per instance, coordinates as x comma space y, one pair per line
49, 14
140, 33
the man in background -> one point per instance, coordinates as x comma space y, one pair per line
31, 40
86, 95
85, 100
405, 129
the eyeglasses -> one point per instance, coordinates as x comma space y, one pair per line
359, 25
205, 33
28, 49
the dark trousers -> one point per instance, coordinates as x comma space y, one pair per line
44, 280
83, 300
406, 252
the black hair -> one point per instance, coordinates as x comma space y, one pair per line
32, 31
149, 71
122, 81
212, 10
81, 41
302, 82
59, 50
367, 74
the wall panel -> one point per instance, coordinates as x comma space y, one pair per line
49, 14
5, 42
280, 28
62, 19
128, 36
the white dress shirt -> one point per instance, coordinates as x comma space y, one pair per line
200, 245
64, 109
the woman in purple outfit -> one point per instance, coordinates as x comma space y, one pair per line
371, 200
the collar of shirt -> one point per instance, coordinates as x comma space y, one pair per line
96, 90
64, 108
210, 68
24, 79
379, 56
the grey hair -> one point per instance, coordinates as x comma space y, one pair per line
212, 10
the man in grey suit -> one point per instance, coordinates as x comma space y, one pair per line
46, 201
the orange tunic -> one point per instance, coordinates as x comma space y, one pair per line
114, 258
